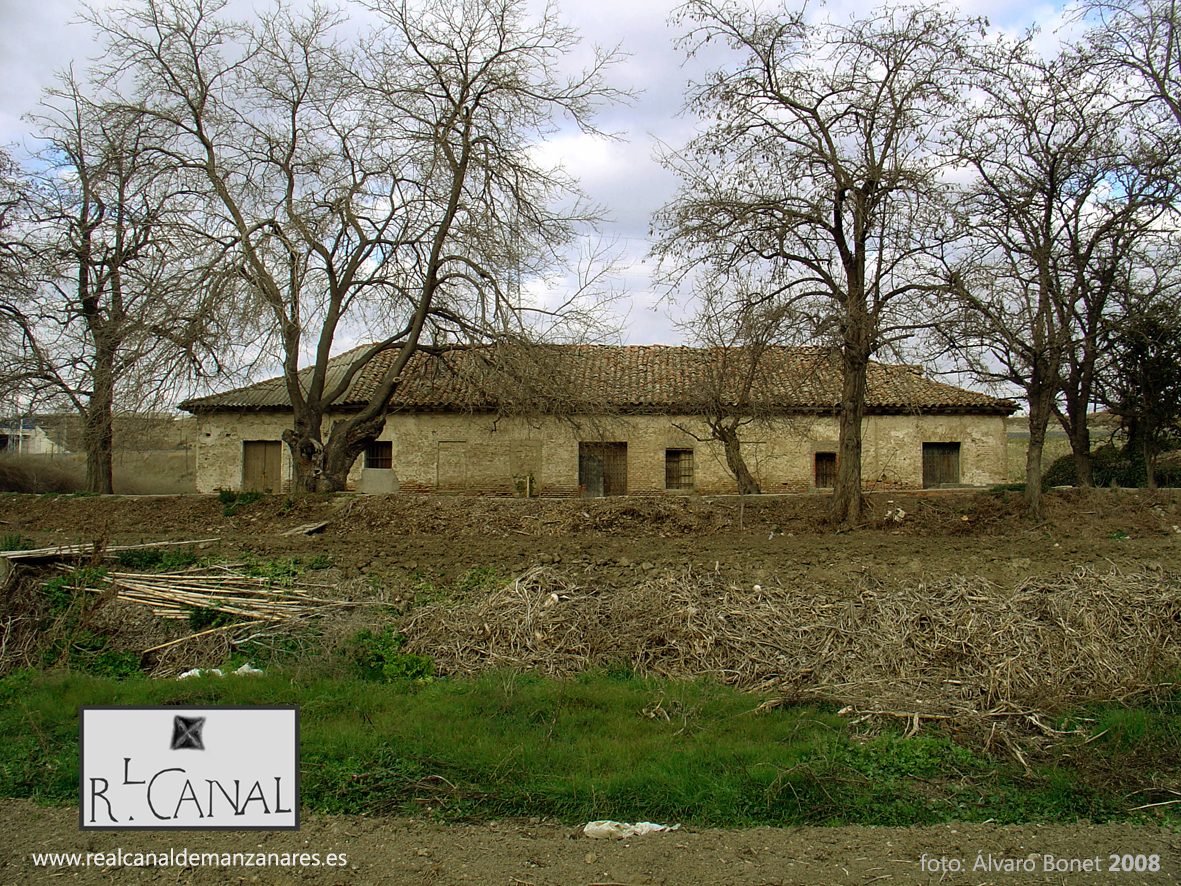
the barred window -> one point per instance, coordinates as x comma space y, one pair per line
380, 454
678, 469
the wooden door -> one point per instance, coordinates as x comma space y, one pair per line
262, 466
825, 470
941, 464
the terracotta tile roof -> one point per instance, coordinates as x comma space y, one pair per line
632, 378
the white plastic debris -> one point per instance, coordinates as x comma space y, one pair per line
197, 672
244, 671
621, 830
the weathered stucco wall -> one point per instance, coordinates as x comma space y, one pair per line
490, 455
220, 437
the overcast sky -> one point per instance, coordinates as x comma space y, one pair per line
39, 37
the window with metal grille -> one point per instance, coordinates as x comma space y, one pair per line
826, 470
380, 454
678, 469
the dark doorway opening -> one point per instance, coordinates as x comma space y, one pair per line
602, 469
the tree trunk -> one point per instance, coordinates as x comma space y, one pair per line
1149, 463
97, 430
845, 509
727, 432
352, 436
1085, 476
1033, 469
1041, 402
1079, 434
348, 440
307, 452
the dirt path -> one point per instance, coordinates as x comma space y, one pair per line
404, 852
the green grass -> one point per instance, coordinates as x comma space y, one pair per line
427, 590
14, 541
1144, 735
231, 500
158, 559
600, 746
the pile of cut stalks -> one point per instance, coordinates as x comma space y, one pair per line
938, 650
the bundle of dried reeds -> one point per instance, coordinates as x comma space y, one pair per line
177, 595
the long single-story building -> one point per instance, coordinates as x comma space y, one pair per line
611, 420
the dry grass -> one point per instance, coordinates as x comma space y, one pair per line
959, 646
39, 474
166, 472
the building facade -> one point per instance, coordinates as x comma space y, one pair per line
644, 434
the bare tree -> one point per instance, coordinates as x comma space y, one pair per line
817, 169
13, 258
15, 282
1064, 196
740, 331
1139, 42
387, 179
122, 312
14, 253
1139, 378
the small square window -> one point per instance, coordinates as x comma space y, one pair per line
380, 454
678, 469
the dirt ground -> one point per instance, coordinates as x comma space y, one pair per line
538, 853
617, 543
779, 539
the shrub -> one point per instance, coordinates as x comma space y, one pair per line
1111, 466
91, 653
320, 561
202, 618
160, 560
377, 657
